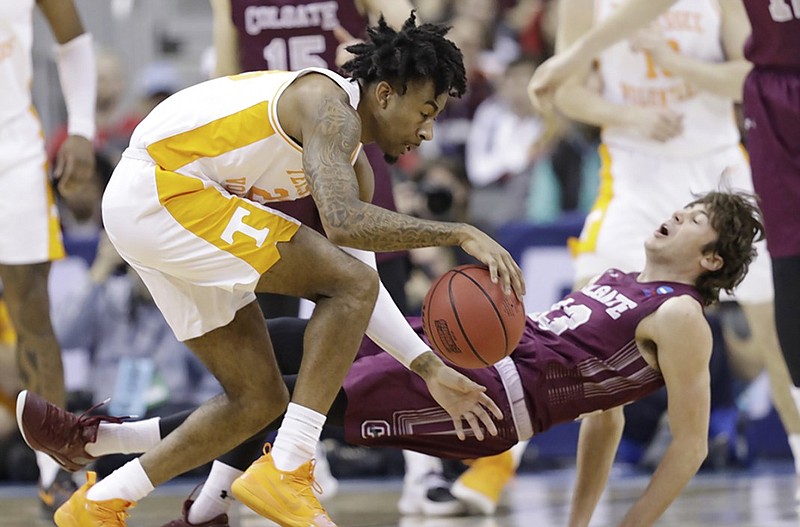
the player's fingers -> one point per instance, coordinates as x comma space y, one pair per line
459, 427
66, 184
517, 280
487, 421
487, 401
59, 168
475, 425
493, 270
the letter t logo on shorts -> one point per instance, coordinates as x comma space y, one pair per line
237, 225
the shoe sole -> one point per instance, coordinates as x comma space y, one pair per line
473, 499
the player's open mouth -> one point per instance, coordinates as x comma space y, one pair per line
663, 230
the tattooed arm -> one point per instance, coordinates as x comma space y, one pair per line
331, 131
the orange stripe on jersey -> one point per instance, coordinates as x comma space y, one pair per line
222, 135
232, 224
588, 241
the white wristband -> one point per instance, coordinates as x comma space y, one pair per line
388, 327
78, 74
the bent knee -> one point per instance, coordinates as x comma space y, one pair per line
259, 407
361, 282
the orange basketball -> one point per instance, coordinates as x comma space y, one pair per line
469, 321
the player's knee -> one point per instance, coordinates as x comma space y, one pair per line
260, 405
362, 284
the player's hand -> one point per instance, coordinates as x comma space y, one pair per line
74, 171
502, 267
653, 43
551, 73
658, 124
464, 400
345, 39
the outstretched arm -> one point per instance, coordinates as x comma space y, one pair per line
724, 78
578, 101
683, 340
597, 445
628, 17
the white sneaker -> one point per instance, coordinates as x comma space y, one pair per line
428, 495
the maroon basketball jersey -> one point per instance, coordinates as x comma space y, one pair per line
292, 34
775, 39
581, 356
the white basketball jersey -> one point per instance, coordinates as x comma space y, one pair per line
226, 130
692, 27
16, 39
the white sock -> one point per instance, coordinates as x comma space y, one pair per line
215, 498
129, 482
48, 468
420, 465
297, 437
133, 437
794, 444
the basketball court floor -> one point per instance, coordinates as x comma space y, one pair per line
759, 497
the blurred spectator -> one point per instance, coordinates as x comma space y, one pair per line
504, 141
453, 124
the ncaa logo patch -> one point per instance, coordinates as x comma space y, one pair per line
664, 290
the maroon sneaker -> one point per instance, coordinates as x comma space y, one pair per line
60, 434
218, 521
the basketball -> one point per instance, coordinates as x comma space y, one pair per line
469, 321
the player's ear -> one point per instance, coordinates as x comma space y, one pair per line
383, 91
712, 261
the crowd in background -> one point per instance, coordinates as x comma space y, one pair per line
493, 161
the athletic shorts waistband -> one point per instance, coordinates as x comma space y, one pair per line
516, 398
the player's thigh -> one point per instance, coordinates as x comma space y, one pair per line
311, 266
25, 292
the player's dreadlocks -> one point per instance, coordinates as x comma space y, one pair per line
413, 53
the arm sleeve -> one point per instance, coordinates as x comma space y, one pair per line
388, 327
78, 74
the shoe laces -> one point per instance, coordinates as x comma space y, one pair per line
307, 481
58, 421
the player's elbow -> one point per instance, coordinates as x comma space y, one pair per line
694, 450
339, 224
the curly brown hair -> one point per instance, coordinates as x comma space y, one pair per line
737, 220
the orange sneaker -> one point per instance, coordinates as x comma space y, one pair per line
480, 487
81, 512
283, 497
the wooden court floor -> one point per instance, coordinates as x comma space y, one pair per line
759, 497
